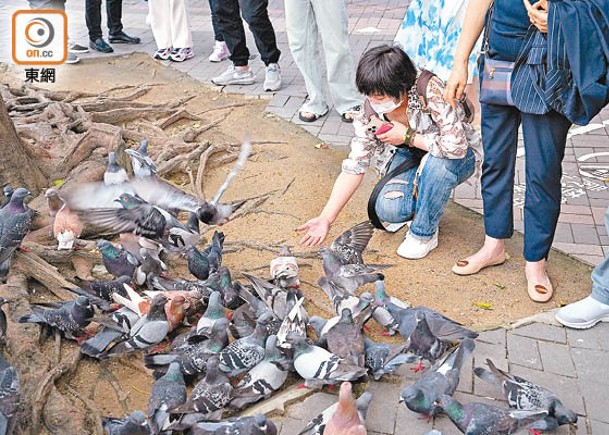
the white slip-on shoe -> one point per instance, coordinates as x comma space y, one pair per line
415, 248
583, 314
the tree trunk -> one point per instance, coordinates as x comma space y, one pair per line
16, 165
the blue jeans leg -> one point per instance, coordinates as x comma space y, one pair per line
435, 184
600, 274
396, 203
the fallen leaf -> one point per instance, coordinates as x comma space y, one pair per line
322, 146
499, 285
484, 305
58, 182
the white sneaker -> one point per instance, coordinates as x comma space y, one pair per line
272, 79
414, 247
583, 314
234, 76
220, 52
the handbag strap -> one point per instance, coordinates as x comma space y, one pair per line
487, 28
372, 215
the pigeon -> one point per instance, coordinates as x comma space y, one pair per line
15, 221
264, 378
284, 269
166, 284
142, 164
345, 339
3, 323
104, 289
8, 191
213, 313
114, 174
97, 345
274, 297
198, 264
117, 261
67, 225
522, 394
134, 424
381, 315
294, 323
442, 378
348, 247
150, 267
192, 356
214, 251
482, 419
9, 395
221, 281
360, 315
258, 424
347, 276
423, 343
317, 366
168, 392
245, 353
341, 416
441, 326
384, 359
149, 330
340, 298
210, 395
70, 317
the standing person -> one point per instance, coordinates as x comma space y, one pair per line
255, 14
589, 311
429, 34
436, 142
220, 51
306, 22
114, 9
510, 38
169, 24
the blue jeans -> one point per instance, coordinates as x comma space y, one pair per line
600, 274
397, 203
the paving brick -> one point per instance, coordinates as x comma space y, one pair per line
311, 406
567, 389
585, 234
591, 365
563, 233
556, 358
598, 427
408, 422
382, 412
594, 338
596, 400
542, 332
573, 248
494, 352
523, 351
466, 377
290, 426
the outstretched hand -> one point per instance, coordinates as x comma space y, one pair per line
317, 230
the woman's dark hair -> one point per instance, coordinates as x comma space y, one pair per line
385, 70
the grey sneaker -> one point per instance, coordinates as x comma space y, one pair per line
272, 79
77, 48
233, 76
72, 58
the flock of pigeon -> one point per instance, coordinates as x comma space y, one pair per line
144, 310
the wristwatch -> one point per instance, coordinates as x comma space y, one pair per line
408, 136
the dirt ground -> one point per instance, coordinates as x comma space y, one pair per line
289, 159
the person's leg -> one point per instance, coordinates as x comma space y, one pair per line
180, 30
159, 24
303, 40
231, 27
220, 51
437, 180
48, 4
499, 139
93, 19
600, 274
214, 21
333, 26
255, 13
396, 203
114, 9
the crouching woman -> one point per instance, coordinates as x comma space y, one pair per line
408, 131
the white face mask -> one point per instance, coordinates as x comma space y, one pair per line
386, 107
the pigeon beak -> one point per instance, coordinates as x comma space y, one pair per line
94, 251
401, 400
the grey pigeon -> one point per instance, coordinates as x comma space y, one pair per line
192, 357
15, 221
8, 191
360, 315
381, 315
114, 174
213, 313
317, 366
263, 379
150, 268
344, 408
423, 343
284, 269
245, 353
3, 323
117, 261
210, 395
214, 251
384, 359
142, 164
198, 264
258, 424
482, 419
104, 289
167, 284
97, 345
9, 396
348, 247
345, 339
294, 323
274, 297
221, 281
168, 392
340, 298
70, 317
525, 395
134, 424
442, 378
149, 330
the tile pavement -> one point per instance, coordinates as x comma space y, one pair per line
573, 364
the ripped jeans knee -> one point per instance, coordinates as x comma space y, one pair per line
395, 203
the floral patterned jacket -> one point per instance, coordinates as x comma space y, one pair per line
446, 133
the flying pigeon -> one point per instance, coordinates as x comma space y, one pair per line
134, 424
9, 395
384, 359
442, 378
70, 317
482, 419
168, 392
525, 395
15, 221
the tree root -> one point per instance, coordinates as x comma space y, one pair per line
90, 405
121, 396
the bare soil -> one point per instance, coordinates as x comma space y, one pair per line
286, 157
